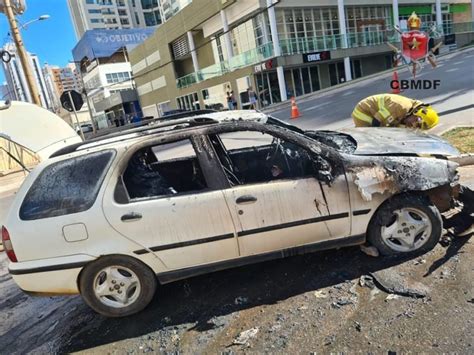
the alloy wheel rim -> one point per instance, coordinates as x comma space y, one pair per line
408, 230
117, 286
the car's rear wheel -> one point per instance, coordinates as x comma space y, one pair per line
405, 224
117, 286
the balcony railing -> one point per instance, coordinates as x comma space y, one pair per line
238, 61
322, 43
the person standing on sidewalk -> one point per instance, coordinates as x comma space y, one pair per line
252, 98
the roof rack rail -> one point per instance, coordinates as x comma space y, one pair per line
159, 119
136, 132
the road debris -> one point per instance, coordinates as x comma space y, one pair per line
390, 281
329, 339
391, 297
419, 262
241, 300
244, 337
358, 326
341, 302
320, 294
367, 281
370, 250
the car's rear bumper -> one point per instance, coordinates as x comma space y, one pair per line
49, 276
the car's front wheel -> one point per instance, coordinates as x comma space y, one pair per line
405, 224
117, 285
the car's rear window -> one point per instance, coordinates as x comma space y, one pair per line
66, 187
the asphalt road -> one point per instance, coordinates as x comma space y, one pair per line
453, 99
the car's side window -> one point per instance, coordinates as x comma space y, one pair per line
255, 157
68, 186
163, 170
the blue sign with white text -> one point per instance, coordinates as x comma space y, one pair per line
103, 43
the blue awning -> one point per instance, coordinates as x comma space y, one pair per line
103, 43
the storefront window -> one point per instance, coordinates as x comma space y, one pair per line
306, 80
356, 70
336, 73
315, 78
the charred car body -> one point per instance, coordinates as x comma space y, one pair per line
209, 192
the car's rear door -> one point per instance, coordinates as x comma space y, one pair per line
274, 212
173, 208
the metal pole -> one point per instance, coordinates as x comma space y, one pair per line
75, 114
396, 17
439, 17
30, 80
94, 129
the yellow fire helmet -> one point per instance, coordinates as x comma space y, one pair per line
429, 117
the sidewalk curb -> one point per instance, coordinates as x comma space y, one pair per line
450, 128
463, 159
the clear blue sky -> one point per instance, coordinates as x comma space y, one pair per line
53, 39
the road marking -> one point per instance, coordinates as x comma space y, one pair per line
315, 106
451, 70
348, 93
460, 62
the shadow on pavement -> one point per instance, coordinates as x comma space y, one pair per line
194, 303
452, 250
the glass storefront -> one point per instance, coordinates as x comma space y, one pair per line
188, 102
299, 81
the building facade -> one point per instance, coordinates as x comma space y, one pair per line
59, 80
172, 7
16, 79
114, 14
102, 59
279, 48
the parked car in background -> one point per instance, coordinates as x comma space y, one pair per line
198, 194
85, 127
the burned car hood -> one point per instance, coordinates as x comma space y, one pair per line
398, 141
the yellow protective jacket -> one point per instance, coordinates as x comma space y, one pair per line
388, 109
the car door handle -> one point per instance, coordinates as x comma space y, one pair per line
132, 216
245, 199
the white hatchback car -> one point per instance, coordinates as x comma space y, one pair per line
109, 218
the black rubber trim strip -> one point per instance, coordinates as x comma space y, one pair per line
293, 224
48, 268
361, 212
174, 275
185, 244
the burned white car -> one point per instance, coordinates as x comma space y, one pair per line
112, 217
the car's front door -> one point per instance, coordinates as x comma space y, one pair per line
169, 207
278, 202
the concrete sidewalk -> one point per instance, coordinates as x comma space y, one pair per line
12, 181
454, 120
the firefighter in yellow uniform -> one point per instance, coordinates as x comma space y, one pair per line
390, 110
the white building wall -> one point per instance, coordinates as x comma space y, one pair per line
100, 18
96, 84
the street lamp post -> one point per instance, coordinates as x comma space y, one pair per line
15, 31
41, 18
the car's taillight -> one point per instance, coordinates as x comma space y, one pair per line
7, 244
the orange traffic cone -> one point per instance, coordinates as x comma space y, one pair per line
395, 84
295, 113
